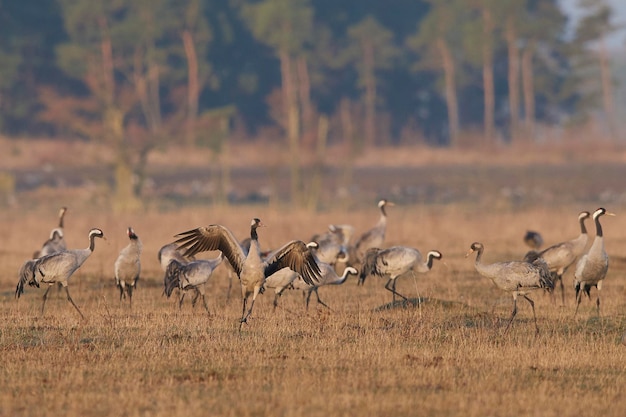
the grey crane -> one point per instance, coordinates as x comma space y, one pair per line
56, 267
516, 277
251, 269
328, 277
561, 256
373, 238
128, 266
56, 241
190, 276
592, 267
394, 262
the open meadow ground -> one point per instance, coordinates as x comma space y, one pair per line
446, 357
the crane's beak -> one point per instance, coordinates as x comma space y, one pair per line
469, 252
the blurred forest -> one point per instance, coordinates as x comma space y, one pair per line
144, 74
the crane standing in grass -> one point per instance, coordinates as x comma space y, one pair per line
57, 267
516, 277
394, 262
561, 256
128, 266
593, 266
190, 276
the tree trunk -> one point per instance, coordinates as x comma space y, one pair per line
318, 168
447, 63
513, 52
607, 91
488, 83
304, 92
292, 114
528, 86
193, 87
370, 94
106, 51
347, 130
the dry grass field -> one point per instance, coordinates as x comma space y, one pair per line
446, 357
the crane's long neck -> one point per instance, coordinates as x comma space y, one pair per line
479, 255
583, 229
598, 227
92, 242
429, 260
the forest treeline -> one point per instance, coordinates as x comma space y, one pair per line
142, 73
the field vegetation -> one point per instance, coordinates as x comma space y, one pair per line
364, 356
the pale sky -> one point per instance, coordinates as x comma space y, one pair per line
619, 8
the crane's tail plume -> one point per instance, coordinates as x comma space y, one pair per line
26, 274
546, 279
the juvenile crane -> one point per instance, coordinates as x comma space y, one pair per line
251, 269
373, 238
394, 262
516, 277
561, 256
128, 266
56, 267
190, 276
56, 241
333, 245
593, 266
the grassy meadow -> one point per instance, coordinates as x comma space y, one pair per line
448, 356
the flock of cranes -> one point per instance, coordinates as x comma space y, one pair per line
306, 266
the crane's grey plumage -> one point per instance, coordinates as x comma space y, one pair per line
169, 252
328, 277
128, 266
373, 238
56, 241
561, 256
394, 262
592, 267
516, 277
190, 276
57, 267
333, 244
279, 281
251, 269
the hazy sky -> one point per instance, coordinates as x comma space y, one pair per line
618, 6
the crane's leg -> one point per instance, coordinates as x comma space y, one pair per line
121, 291
244, 319
393, 289
181, 295
513, 313
130, 296
45, 297
318, 298
599, 286
532, 304
206, 306
560, 278
194, 300
69, 298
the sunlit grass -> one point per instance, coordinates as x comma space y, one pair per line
444, 356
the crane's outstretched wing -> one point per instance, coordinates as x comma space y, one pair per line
297, 256
213, 237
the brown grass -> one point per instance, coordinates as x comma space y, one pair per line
446, 357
